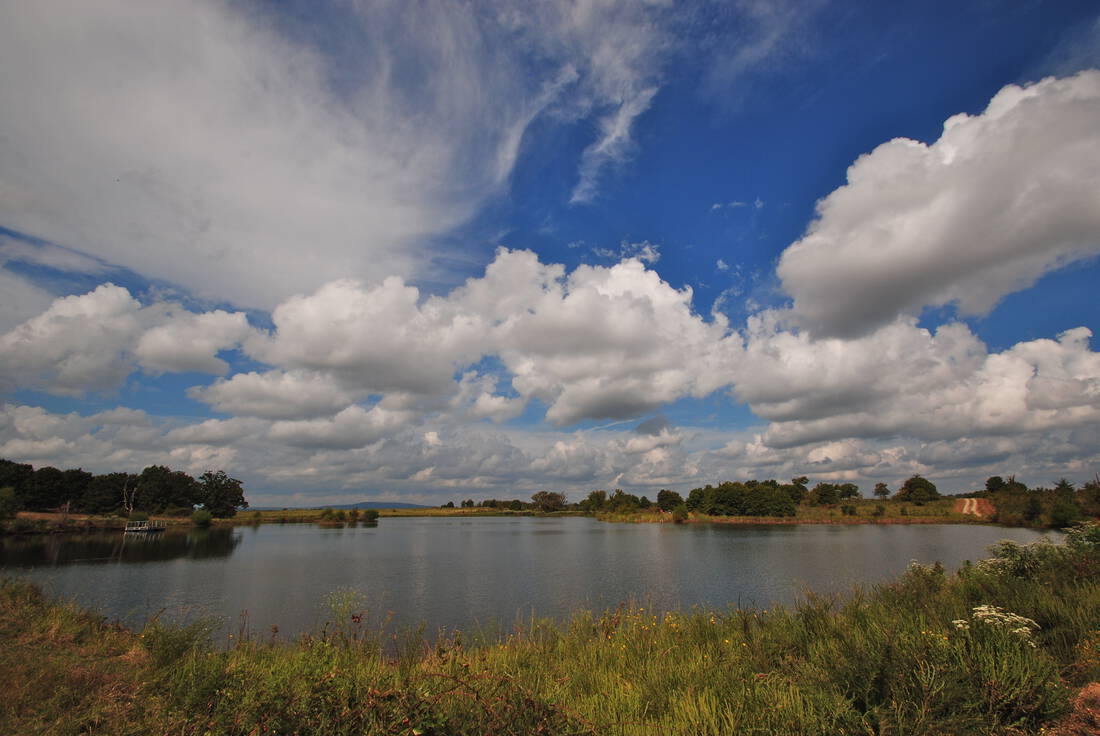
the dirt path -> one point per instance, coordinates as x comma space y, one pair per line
975, 506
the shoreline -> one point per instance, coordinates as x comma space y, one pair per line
36, 523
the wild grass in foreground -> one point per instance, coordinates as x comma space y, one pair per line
999, 648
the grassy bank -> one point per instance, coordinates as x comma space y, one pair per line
1003, 646
854, 511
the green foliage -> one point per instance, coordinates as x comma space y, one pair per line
370, 514
159, 487
882, 491
1056, 507
752, 498
668, 500
201, 517
917, 490
680, 514
8, 503
547, 501
221, 495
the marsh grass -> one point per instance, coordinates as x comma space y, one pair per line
892, 659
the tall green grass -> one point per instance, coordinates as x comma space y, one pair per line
997, 648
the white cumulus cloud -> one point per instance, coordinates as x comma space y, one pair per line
1000, 199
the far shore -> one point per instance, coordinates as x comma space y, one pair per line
866, 511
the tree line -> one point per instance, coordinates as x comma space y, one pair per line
756, 497
155, 490
1057, 507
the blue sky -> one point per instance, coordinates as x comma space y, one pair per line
424, 252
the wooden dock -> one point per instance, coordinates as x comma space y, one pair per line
144, 527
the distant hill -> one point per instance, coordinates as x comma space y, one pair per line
379, 505
360, 505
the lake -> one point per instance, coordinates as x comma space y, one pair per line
469, 572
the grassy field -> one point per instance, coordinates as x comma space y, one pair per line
1006, 646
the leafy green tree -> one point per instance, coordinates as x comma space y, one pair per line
668, 500
918, 490
768, 500
15, 476
221, 495
680, 514
847, 490
596, 500
43, 490
104, 493
881, 491
201, 517
824, 494
697, 498
76, 482
620, 500
547, 501
1088, 498
8, 505
797, 489
160, 488
515, 505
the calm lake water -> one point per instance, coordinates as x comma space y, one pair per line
467, 573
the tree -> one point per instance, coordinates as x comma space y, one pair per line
220, 494
824, 494
105, 493
882, 491
14, 475
994, 483
547, 501
620, 500
8, 505
43, 490
161, 488
918, 490
668, 500
847, 490
595, 500
797, 489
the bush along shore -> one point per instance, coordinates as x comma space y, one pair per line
1010, 645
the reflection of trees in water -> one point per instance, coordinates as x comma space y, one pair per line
59, 549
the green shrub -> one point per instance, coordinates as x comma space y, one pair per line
370, 514
201, 517
680, 514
